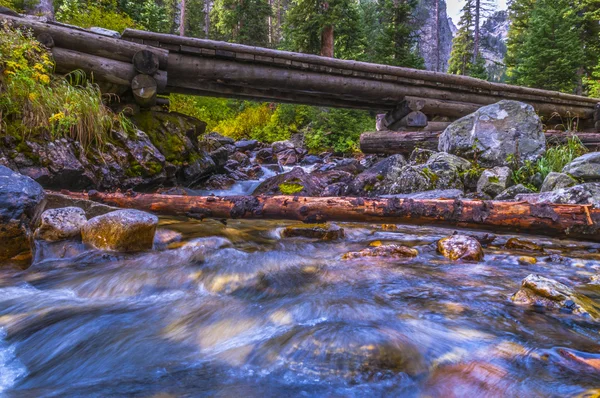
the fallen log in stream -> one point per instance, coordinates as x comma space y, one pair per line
573, 221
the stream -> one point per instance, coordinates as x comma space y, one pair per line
234, 309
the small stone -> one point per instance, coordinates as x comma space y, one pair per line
521, 244
122, 230
59, 224
526, 260
460, 247
495, 180
314, 231
395, 251
555, 181
165, 237
511, 192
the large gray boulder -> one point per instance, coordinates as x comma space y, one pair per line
586, 167
21, 202
495, 133
554, 181
121, 230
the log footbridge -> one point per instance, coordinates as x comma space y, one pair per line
146, 64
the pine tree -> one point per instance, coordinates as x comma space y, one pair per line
551, 54
463, 60
241, 21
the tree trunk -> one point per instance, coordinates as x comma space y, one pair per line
207, 18
573, 221
437, 36
182, 18
327, 40
476, 40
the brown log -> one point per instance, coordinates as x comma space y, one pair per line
392, 142
256, 53
87, 42
414, 119
144, 90
573, 221
433, 107
146, 62
408, 105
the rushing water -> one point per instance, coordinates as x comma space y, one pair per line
236, 310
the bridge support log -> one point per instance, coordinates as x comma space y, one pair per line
597, 117
144, 89
412, 120
575, 221
392, 142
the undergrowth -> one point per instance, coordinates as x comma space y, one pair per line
34, 102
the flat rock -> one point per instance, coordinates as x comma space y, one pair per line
586, 167
59, 224
460, 247
122, 230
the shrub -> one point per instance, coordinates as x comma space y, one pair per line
34, 101
87, 14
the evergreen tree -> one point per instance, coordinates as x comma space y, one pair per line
551, 54
241, 21
463, 60
519, 14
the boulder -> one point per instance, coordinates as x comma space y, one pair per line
420, 155
537, 290
265, 155
294, 182
121, 230
280, 146
59, 224
433, 194
314, 231
246, 145
588, 193
460, 247
494, 181
90, 208
21, 202
510, 192
383, 251
554, 181
496, 133
371, 181
311, 159
585, 168
446, 170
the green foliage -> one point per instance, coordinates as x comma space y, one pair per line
462, 60
104, 14
555, 159
290, 188
33, 102
241, 21
337, 129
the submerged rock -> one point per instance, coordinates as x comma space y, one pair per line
460, 247
384, 251
59, 224
586, 167
495, 133
122, 230
540, 291
554, 181
315, 231
21, 202
494, 181
471, 379
521, 244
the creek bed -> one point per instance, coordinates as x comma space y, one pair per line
235, 309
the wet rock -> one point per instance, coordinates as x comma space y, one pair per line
521, 244
295, 182
384, 251
241, 158
21, 202
59, 224
219, 156
588, 193
246, 145
495, 133
218, 182
280, 146
527, 260
471, 379
311, 159
585, 168
460, 247
91, 208
265, 155
537, 290
554, 181
122, 230
511, 192
288, 157
48, 251
164, 237
494, 181
314, 231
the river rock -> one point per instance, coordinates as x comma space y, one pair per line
585, 168
246, 145
522, 244
460, 247
280, 146
494, 132
537, 290
21, 202
494, 181
510, 192
294, 182
325, 231
468, 379
265, 155
122, 230
384, 251
588, 193
554, 181
59, 224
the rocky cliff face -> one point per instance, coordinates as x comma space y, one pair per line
425, 21
494, 32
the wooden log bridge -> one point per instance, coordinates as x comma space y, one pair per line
573, 221
151, 63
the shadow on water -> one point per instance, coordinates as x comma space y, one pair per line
234, 309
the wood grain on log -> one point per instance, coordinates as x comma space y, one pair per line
144, 90
145, 62
574, 221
